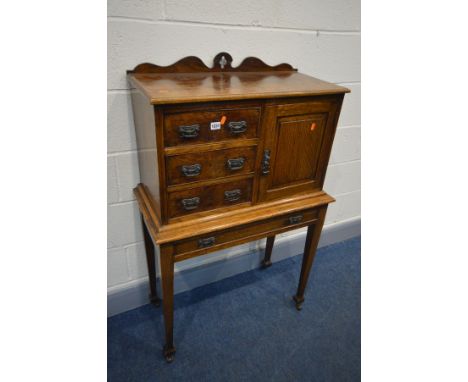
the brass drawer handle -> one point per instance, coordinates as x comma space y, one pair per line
206, 242
189, 131
295, 219
235, 163
191, 170
233, 195
237, 127
191, 203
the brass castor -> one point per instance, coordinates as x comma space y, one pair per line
169, 353
298, 301
155, 300
266, 263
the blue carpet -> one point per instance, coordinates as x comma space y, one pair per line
246, 328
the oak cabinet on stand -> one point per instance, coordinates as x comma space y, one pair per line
229, 155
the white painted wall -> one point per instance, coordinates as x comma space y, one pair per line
320, 38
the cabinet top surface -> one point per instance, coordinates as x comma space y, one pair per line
166, 88
189, 80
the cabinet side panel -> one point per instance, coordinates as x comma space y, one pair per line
328, 142
145, 126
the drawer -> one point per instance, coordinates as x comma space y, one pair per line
246, 232
197, 126
209, 165
199, 199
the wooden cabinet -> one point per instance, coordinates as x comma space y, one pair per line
228, 155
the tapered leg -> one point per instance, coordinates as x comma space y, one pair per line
266, 262
151, 263
312, 239
167, 277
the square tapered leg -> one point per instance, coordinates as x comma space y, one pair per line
151, 263
266, 262
167, 278
312, 240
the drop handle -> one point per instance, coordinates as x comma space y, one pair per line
266, 162
295, 219
237, 127
235, 163
206, 242
191, 203
233, 195
189, 131
191, 170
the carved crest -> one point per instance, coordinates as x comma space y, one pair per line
221, 63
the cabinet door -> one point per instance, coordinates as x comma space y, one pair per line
297, 144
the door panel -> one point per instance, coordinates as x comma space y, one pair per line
298, 140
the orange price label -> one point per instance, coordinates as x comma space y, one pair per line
223, 119
313, 126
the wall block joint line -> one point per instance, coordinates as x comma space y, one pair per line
317, 32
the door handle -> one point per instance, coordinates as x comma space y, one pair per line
266, 162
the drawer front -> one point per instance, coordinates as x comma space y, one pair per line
194, 127
201, 243
200, 199
209, 165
